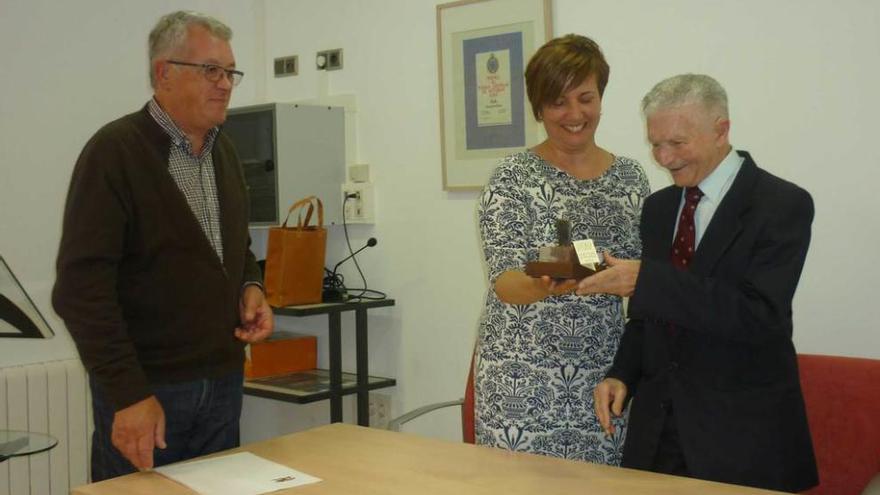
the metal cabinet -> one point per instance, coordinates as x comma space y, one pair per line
289, 151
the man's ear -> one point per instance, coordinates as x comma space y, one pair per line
722, 128
160, 71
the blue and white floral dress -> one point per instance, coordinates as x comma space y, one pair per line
537, 364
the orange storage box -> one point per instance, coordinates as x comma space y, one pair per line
282, 353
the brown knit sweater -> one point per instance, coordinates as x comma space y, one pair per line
143, 294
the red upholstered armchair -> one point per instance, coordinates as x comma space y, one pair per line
842, 395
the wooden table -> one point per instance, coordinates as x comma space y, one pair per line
357, 460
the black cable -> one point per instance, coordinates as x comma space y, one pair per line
378, 297
333, 281
338, 281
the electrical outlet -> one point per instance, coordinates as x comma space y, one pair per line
354, 207
286, 66
329, 59
358, 202
380, 410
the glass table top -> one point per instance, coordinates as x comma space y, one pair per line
18, 443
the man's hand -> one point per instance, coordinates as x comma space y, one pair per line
609, 397
257, 321
138, 429
619, 278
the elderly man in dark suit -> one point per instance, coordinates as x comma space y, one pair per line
707, 355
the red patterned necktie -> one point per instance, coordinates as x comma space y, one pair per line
685, 237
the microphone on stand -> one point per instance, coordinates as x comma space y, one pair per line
334, 291
370, 243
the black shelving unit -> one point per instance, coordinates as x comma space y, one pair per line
315, 385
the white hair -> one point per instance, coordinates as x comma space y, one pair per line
684, 89
169, 34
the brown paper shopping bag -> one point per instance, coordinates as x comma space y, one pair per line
295, 257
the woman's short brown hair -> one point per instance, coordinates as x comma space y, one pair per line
561, 64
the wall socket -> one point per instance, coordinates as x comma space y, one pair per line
380, 410
286, 66
359, 207
329, 59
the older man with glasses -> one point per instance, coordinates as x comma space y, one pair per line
156, 281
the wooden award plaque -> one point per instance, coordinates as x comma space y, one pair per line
559, 262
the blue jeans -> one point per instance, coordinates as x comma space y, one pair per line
201, 417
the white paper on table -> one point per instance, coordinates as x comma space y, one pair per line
235, 474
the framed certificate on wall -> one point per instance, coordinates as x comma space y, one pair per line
483, 48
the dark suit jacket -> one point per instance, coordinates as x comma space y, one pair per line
730, 370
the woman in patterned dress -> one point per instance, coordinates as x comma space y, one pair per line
542, 349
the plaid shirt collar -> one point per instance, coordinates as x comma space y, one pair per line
178, 138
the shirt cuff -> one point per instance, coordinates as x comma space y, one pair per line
258, 284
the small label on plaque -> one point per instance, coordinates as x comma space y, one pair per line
586, 253
566, 260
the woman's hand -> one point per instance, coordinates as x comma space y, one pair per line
556, 287
515, 287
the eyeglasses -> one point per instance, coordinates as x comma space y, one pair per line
213, 72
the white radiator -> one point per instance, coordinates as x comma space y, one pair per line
48, 398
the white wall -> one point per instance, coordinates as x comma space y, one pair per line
802, 79
69, 67
427, 258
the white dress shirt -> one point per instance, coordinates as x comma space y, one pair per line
714, 187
